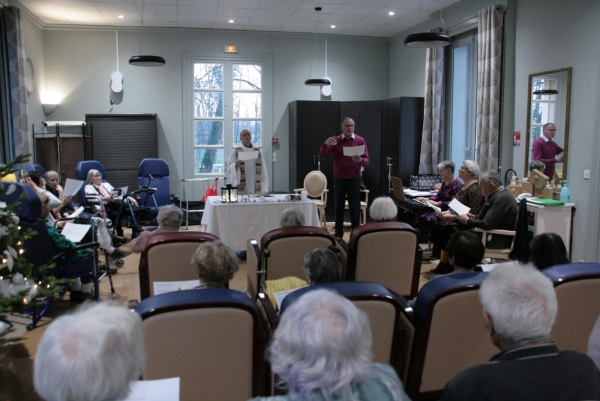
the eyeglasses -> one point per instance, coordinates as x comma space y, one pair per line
97, 175
348, 125
245, 134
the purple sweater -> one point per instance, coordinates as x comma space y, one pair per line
546, 153
344, 166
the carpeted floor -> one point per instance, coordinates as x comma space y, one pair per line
17, 348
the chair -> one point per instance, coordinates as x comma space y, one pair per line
287, 247
577, 288
167, 257
154, 173
363, 206
36, 167
382, 308
253, 260
498, 254
315, 184
81, 172
212, 339
449, 334
39, 250
387, 253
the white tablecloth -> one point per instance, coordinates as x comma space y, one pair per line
236, 223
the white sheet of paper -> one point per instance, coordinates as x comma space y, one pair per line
154, 390
415, 193
75, 232
72, 186
248, 155
489, 267
354, 150
76, 212
458, 207
162, 287
279, 296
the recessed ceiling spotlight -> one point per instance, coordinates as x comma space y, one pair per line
391, 13
332, 26
121, 16
231, 21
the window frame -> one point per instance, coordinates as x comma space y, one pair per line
188, 91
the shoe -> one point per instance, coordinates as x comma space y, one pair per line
118, 241
118, 254
102, 268
78, 297
443, 268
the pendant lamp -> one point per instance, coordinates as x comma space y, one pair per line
545, 92
146, 60
436, 38
317, 81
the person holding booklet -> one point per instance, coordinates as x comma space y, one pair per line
246, 167
439, 202
469, 195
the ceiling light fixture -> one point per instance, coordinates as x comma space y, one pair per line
436, 38
317, 81
545, 92
391, 13
332, 26
121, 16
146, 60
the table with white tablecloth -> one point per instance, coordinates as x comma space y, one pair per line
236, 223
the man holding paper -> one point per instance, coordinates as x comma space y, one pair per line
245, 164
546, 150
350, 154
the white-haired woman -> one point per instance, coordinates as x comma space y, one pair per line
322, 351
96, 189
383, 208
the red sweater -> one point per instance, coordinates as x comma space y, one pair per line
546, 153
344, 166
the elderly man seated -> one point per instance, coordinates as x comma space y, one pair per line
519, 308
498, 213
169, 220
383, 208
322, 351
215, 264
90, 355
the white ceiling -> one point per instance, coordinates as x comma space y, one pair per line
350, 17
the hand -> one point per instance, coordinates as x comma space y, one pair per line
447, 216
28, 181
437, 186
463, 217
133, 201
331, 141
65, 202
560, 159
238, 162
356, 158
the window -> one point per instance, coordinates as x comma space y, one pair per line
543, 107
461, 97
226, 96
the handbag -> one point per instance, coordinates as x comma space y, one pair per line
212, 191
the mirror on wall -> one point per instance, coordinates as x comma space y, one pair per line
549, 101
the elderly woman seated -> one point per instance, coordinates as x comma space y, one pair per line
291, 217
322, 351
96, 190
383, 208
215, 264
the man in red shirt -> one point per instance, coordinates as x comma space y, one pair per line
346, 174
545, 149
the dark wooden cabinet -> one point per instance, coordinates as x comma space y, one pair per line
391, 127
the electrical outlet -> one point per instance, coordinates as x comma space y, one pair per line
586, 174
274, 157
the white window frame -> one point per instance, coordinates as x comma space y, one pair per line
188, 147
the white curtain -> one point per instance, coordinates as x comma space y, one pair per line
489, 86
432, 140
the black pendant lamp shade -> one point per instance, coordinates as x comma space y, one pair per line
427, 39
546, 92
317, 82
147, 61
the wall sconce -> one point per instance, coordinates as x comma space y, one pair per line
49, 107
229, 194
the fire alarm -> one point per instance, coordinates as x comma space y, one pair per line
275, 140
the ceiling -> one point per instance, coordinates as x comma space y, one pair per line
350, 17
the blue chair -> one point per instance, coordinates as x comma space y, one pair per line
577, 288
81, 172
39, 250
36, 167
154, 173
212, 339
449, 334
